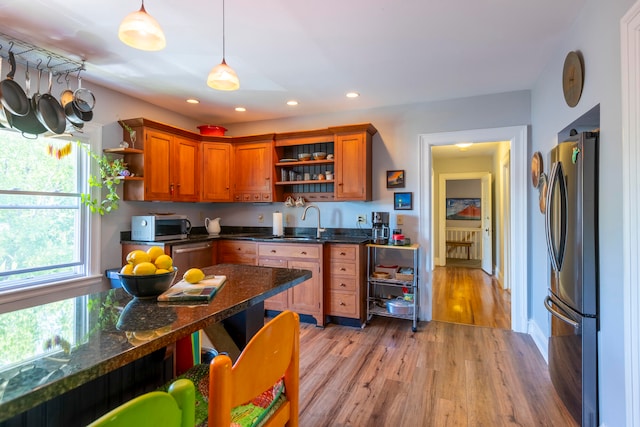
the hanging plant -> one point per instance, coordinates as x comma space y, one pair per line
112, 173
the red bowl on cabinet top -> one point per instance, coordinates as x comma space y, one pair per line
211, 130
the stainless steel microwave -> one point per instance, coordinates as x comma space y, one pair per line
154, 228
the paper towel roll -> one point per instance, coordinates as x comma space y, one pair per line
278, 229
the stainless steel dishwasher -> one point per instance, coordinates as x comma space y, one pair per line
192, 255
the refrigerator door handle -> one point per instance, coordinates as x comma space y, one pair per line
556, 253
548, 303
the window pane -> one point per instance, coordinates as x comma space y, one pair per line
25, 164
42, 236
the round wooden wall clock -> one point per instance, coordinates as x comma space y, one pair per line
572, 78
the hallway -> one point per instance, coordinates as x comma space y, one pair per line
470, 296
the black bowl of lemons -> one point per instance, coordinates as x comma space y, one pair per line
147, 274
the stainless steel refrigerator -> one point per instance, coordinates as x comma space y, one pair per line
571, 223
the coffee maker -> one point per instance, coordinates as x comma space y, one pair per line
380, 230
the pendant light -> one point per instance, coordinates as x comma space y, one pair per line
139, 30
222, 77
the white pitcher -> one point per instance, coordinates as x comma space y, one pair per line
212, 226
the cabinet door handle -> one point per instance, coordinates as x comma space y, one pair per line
191, 248
342, 304
343, 253
303, 253
273, 251
343, 269
342, 285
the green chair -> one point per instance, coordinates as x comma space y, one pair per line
157, 408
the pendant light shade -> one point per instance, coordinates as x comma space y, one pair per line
222, 77
139, 30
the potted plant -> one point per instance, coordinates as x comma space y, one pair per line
112, 172
132, 133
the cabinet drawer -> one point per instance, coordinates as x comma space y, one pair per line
345, 284
343, 268
343, 253
342, 304
237, 247
289, 251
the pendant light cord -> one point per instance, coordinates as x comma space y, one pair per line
223, 32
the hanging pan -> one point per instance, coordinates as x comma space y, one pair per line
49, 111
29, 124
83, 98
6, 119
12, 96
67, 95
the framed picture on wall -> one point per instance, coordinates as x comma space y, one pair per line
403, 201
463, 209
395, 179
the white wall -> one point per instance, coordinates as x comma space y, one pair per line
596, 33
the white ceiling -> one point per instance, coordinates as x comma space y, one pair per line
392, 52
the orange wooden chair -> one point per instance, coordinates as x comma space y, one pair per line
273, 353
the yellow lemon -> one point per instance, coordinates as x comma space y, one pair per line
193, 275
154, 252
127, 269
138, 256
144, 268
164, 262
162, 271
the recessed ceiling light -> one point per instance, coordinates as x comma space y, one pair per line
464, 144
292, 102
352, 94
193, 101
241, 109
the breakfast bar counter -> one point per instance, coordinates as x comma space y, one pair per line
92, 335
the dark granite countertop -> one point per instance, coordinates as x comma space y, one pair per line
264, 234
107, 330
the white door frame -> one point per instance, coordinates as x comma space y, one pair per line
630, 55
504, 267
518, 140
442, 209
488, 232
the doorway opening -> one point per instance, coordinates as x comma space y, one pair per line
514, 250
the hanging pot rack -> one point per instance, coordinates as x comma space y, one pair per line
28, 53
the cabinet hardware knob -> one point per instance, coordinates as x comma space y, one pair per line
343, 269
343, 285
273, 251
342, 304
343, 253
303, 253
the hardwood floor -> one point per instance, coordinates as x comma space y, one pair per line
445, 374
469, 296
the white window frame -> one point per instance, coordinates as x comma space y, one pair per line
16, 298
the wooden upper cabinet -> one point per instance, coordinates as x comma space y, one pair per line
253, 171
216, 172
169, 164
172, 169
353, 163
185, 170
157, 165
173, 164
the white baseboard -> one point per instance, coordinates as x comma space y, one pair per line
539, 338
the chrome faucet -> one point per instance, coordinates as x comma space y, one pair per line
304, 215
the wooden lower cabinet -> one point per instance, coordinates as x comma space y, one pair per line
305, 298
237, 252
345, 285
